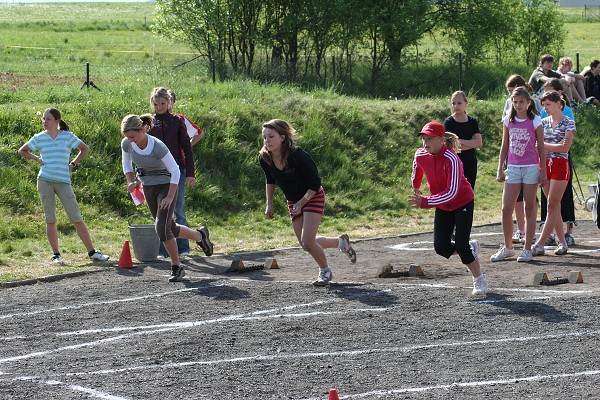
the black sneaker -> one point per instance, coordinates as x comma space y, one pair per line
177, 273
205, 243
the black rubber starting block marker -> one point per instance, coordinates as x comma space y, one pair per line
541, 278
387, 271
238, 265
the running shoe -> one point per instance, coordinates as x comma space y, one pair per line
346, 248
177, 273
57, 259
518, 237
538, 250
325, 276
562, 249
525, 256
99, 256
569, 239
551, 241
474, 245
205, 244
502, 254
480, 285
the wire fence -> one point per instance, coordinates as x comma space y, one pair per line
418, 78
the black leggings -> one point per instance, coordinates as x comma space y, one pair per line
443, 226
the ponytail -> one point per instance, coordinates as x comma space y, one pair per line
452, 142
56, 114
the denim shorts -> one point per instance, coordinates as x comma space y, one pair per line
529, 175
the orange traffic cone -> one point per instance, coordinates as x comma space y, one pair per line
333, 395
125, 259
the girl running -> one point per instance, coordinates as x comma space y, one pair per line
558, 136
451, 195
54, 179
522, 152
158, 171
467, 129
295, 172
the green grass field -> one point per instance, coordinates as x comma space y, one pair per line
364, 148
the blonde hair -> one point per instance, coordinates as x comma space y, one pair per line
452, 142
134, 122
565, 61
160, 93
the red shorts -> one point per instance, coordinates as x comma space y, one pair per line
316, 204
558, 169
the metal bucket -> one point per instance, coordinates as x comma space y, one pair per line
144, 239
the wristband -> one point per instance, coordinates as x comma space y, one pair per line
307, 196
73, 164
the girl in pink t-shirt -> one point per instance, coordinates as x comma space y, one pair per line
521, 153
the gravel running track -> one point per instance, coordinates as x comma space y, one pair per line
269, 334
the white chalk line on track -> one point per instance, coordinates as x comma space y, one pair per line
343, 353
76, 388
410, 246
145, 330
93, 304
534, 378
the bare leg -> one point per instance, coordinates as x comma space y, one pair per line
554, 191
305, 229
171, 247
475, 268
529, 192
52, 234
520, 215
509, 198
84, 235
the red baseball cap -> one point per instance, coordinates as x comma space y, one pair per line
433, 129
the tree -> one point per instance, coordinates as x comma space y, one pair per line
540, 29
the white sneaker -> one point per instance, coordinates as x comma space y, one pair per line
99, 256
561, 249
525, 256
480, 285
502, 254
325, 276
58, 260
474, 244
184, 254
160, 257
518, 237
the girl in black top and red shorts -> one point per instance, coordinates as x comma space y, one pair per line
295, 172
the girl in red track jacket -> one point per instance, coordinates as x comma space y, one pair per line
450, 194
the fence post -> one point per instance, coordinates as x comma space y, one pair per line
333, 68
577, 62
212, 67
460, 71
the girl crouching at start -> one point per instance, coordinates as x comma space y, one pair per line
450, 194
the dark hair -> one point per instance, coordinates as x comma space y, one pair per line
517, 80
546, 58
287, 147
523, 92
555, 84
551, 95
56, 114
594, 63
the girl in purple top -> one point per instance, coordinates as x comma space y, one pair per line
522, 152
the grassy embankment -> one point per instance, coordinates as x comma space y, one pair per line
363, 148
